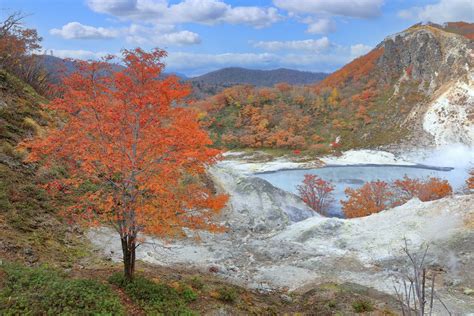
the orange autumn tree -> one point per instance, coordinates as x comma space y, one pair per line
376, 196
372, 197
425, 189
135, 158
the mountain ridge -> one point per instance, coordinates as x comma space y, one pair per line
223, 77
259, 77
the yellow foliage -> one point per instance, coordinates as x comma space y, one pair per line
33, 125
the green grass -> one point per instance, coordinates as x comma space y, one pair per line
227, 294
42, 291
155, 298
362, 306
196, 282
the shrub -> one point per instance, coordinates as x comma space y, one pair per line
32, 125
362, 306
316, 192
196, 282
426, 190
434, 189
332, 304
154, 298
227, 294
44, 291
372, 197
188, 294
117, 279
407, 189
317, 139
470, 180
319, 149
376, 196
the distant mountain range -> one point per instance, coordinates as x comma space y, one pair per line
215, 80
261, 78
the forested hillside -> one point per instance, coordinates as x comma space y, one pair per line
377, 99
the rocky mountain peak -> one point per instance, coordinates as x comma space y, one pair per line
427, 54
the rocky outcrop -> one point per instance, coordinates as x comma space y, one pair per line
431, 71
427, 55
449, 118
257, 206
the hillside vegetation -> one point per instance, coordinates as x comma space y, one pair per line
375, 100
31, 231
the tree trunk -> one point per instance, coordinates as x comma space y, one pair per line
128, 250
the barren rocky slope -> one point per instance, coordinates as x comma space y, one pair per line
441, 66
429, 73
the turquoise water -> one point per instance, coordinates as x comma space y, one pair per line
354, 176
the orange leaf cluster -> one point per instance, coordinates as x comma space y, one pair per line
425, 190
372, 197
355, 70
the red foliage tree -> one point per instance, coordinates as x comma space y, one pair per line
372, 197
426, 190
316, 192
434, 189
135, 160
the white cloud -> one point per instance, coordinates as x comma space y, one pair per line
136, 34
180, 38
307, 45
257, 17
200, 11
359, 50
152, 36
187, 11
76, 30
355, 8
77, 54
114, 7
443, 11
321, 26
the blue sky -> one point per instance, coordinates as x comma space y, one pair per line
204, 35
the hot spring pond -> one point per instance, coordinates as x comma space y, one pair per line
354, 176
